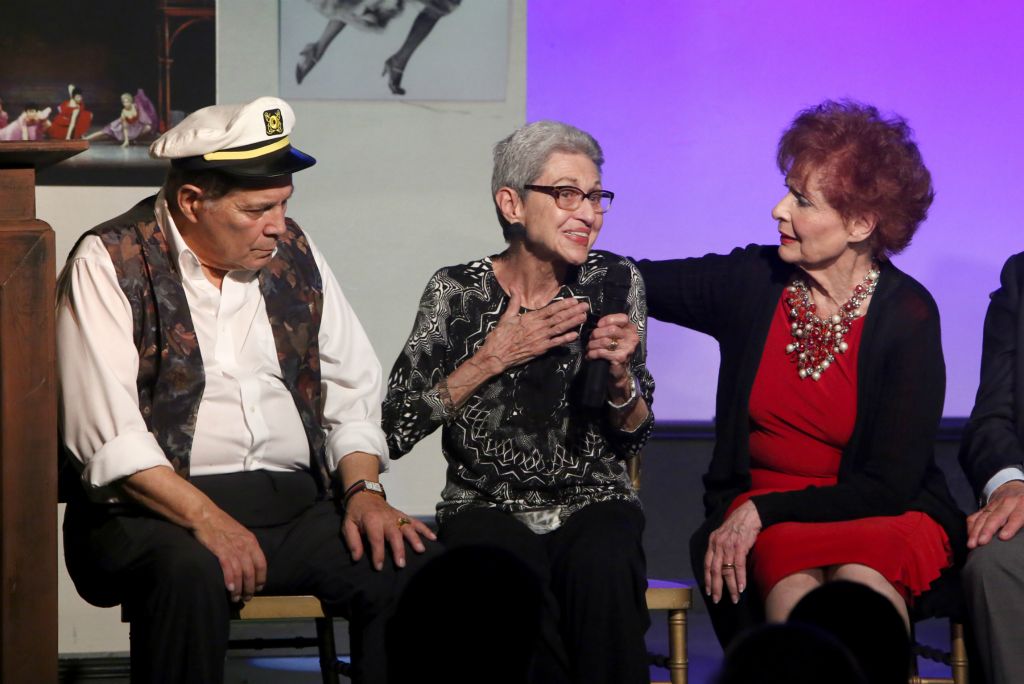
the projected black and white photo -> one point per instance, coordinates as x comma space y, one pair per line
394, 49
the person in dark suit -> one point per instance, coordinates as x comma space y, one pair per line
992, 455
830, 387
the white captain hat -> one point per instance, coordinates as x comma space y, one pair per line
248, 140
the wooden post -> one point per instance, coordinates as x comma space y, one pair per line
28, 419
174, 18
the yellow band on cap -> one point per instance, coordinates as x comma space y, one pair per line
228, 155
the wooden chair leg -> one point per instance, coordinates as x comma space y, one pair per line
677, 660
328, 653
956, 659
958, 653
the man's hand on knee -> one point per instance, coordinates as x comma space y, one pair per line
1002, 516
179, 501
370, 516
240, 556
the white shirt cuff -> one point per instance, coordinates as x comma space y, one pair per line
999, 479
365, 436
125, 455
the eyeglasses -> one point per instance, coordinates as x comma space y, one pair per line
569, 197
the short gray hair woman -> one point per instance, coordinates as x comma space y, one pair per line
497, 358
520, 158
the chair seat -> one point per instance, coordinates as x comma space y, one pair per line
668, 595
281, 608
296, 608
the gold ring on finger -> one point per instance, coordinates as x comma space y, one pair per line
613, 344
404, 521
728, 566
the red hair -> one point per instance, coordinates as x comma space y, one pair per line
870, 167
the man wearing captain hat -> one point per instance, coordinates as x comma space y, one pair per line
217, 391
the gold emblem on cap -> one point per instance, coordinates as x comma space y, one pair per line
274, 121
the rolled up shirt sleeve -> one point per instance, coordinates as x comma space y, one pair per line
97, 366
351, 377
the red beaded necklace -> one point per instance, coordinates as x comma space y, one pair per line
816, 342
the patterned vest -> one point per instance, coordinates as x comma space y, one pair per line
171, 378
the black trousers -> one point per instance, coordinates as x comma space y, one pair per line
594, 576
173, 589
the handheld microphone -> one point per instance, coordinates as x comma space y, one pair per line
614, 294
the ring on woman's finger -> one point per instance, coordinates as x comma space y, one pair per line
613, 344
404, 521
728, 566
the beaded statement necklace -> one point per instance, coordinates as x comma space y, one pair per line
816, 342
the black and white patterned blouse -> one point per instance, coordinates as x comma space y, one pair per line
523, 442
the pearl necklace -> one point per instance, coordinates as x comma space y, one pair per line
817, 341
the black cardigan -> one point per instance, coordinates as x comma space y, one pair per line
888, 467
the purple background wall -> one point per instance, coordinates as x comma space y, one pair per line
688, 100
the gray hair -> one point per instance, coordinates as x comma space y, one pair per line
520, 158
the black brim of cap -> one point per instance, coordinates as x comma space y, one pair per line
280, 163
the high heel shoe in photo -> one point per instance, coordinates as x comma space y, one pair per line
309, 60
394, 74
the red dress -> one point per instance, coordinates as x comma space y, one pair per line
798, 429
62, 121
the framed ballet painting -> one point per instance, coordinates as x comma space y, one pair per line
394, 49
116, 73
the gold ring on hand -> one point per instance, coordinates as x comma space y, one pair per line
404, 521
613, 344
728, 566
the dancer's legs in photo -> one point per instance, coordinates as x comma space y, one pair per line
394, 67
312, 53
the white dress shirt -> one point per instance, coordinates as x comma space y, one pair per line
247, 419
1005, 475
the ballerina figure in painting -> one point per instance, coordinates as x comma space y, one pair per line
373, 15
72, 119
31, 125
138, 118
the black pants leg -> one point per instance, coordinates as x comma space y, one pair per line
172, 589
492, 528
599, 577
593, 571
309, 556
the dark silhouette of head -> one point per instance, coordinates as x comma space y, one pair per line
788, 654
865, 622
471, 614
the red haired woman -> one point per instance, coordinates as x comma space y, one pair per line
831, 383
